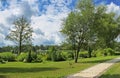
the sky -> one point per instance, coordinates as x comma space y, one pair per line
45, 16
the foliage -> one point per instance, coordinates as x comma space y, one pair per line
84, 54
38, 59
78, 26
109, 51
21, 57
6, 48
7, 56
106, 26
55, 55
70, 55
103, 52
90, 25
98, 53
29, 57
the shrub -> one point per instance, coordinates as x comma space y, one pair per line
38, 59
56, 56
70, 55
84, 54
117, 53
60, 56
22, 57
109, 51
97, 53
7, 56
94, 54
103, 52
29, 57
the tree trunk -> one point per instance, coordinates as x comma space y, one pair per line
76, 57
20, 48
89, 52
20, 44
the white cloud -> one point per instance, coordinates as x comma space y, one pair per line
46, 26
113, 8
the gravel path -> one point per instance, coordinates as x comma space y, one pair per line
95, 71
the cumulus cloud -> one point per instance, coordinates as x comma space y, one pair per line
113, 8
45, 16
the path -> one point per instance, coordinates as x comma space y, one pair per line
95, 71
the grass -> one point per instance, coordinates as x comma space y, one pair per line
47, 69
113, 72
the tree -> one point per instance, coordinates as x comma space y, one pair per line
21, 33
89, 25
107, 27
77, 26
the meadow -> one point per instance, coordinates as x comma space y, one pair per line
48, 69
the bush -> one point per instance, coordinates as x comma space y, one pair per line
7, 56
22, 57
94, 54
29, 57
70, 55
56, 56
108, 51
103, 52
84, 54
98, 53
117, 53
38, 59
60, 56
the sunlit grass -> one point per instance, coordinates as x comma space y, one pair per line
47, 69
113, 72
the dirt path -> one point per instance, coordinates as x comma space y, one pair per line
95, 71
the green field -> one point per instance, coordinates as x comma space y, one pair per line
47, 69
113, 72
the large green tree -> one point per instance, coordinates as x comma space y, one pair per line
90, 25
77, 26
21, 33
107, 27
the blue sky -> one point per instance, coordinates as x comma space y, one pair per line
45, 16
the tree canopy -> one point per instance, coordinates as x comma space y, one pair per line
90, 25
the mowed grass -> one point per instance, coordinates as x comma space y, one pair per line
113, 72
47, 69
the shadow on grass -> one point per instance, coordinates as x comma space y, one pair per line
95, 61
3, 76
110, 76
25, 70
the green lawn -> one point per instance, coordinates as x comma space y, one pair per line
113, 72
47, 69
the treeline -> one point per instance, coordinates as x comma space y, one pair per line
25, 48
